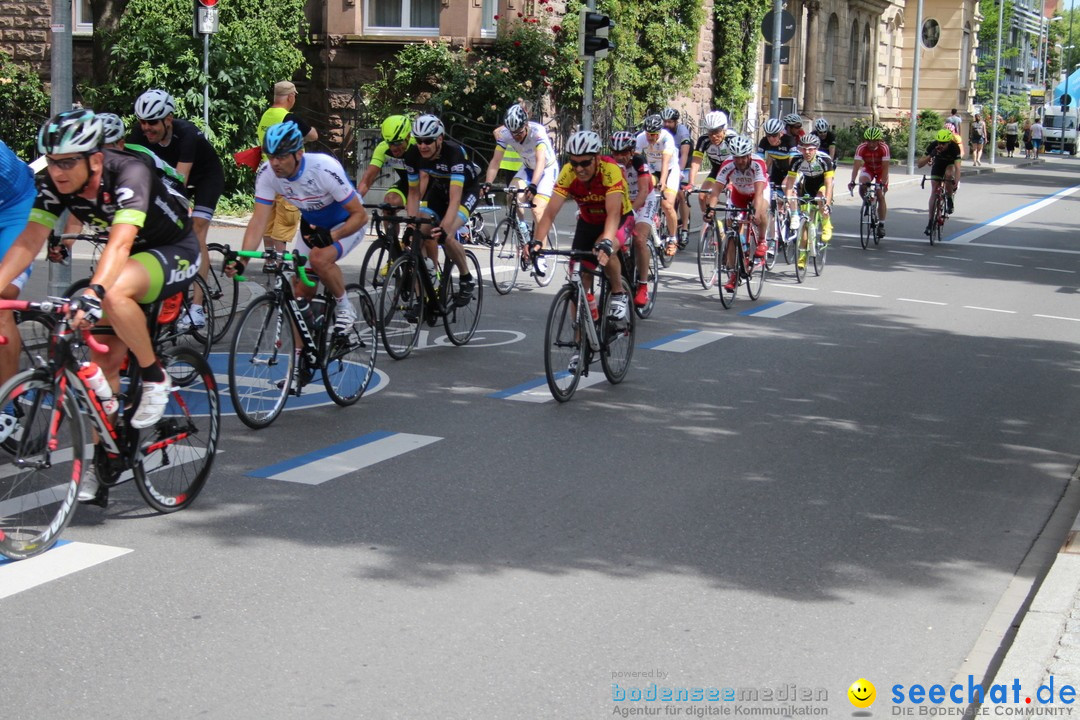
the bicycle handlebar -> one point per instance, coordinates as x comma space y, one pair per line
52, 307
296, 258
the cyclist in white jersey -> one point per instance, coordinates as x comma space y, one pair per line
539, 165
332, 216
658, 147
685, 145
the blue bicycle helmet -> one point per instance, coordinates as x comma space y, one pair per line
283, 138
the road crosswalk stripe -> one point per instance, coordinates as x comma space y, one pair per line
320, 466
776, 309
685, 340
536, 391
62, 559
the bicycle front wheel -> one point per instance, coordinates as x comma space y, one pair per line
803, 244
35, 329
348, 359
177, 453
261, 362
791, 241
563, 353
726, 286
755, 279
552, 260
400, 308
375, 266
939, 221
653, 283
706, 256
460, 319
821, 248
505, 256
616, 341
41, 463
866, 226
223, 293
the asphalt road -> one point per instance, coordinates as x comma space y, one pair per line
839, 486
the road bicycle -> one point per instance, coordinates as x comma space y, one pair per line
781, 239
417, 290
810, 244
510, 242
48, 443
174, 333
708, 244
477, 230
868, 215
658, 227
735, 227
385, 248
264, 367
628, 262
579, 329
939, 211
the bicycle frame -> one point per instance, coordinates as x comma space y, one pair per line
282, 290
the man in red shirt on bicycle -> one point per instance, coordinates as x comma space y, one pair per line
872, 163
747, 181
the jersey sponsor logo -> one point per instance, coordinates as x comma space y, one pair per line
167, 210
124, 196
340, 180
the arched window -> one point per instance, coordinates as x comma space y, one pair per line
832, 41
864, 78
965, 65
853, 62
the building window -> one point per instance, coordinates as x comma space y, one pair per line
82, 18
853, 62
488, 26
402, 17
965, 66
832, 41
864, 79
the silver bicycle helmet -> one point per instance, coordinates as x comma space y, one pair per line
714, 120
773, 126
622, 140
821, 125
72, 131
427, 126
740, 146
669, 114
113, 127
810, 140
584, 142
515, 118
154, 105
653, 124
792, 119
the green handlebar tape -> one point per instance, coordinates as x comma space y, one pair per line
287, 257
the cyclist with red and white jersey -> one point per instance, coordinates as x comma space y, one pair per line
605, 220
639, 184
659, 148
744, 176
872, 163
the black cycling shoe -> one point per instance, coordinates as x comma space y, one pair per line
465, 292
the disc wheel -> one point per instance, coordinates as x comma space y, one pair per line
616, 340
562, 343
177, 453
348, 358
41, 464
706, 256
505, 256
261, 362
460, 321
400, 308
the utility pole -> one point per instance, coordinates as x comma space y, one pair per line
917, 51
774, 91
997, 83
60, 67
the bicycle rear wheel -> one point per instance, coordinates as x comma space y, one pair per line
939, 220
375, 266
177, 453
659, 226
616, 341
866, 226
706, 256
755, 280
180, 334
563, 343
460, 321
35, 329
401, 308
224, 293
348, 359
41, 464
723, 272
261, 362
505, 256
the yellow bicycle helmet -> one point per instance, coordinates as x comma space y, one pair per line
395, 128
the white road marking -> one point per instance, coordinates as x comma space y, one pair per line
1057, 317
64, 559
924, 302
332, 462
1007, 218
858, 294
976, 307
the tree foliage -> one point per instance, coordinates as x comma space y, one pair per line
736, 34
257, 44
988, 39
26, 106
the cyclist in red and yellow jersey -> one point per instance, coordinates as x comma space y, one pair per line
606, 220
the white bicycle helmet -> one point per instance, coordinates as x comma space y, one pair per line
792, 119
72, 131
773, 126
113, 127
622, 140
669, 114
714, 120
154, 105
515, 118
821, 125
740, 146
584, 142
427, 126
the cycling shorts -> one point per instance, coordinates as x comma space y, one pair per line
738, 200
547, 181
586, 234
205, 196
344, 246
400, 189
171, 267
648, 210
939, 168
865, 177
437, 201
671, 182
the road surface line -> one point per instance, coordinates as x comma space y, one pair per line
924, 302
976, 307
993, 224
685, 340
858, 294
63, 559
317, 467
1057, 317
776, 309
536, 391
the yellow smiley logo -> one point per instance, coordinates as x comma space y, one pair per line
862, 693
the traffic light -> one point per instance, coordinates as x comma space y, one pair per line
593, 29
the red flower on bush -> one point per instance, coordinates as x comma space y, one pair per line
496, 17
517, 43
556, 28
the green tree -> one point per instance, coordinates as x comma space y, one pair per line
736, 34
26, 107
988, 39
258, 43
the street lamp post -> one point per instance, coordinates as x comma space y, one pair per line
997, 83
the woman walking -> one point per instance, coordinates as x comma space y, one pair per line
1012, 130
978, 139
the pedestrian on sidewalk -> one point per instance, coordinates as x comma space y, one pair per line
1012, 130
977, 136
1027, 140
1037, 138
955, 119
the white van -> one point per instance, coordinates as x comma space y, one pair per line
1053, 123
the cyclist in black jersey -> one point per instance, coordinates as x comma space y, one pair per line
442, 173
151, 252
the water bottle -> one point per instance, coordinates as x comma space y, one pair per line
432, 272
524, 228
95, 380
592, 306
